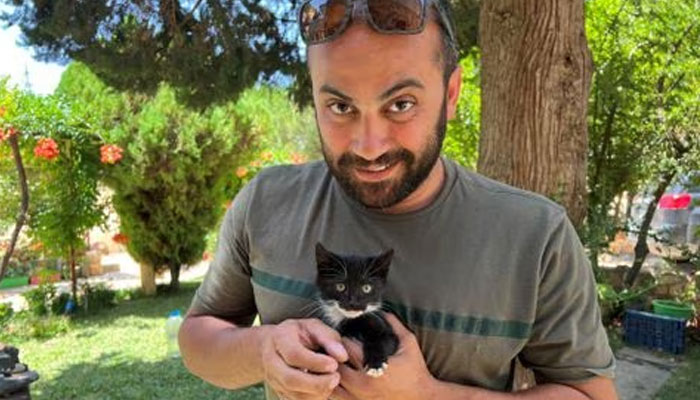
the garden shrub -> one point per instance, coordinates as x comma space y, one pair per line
40, 299
97, 297
47, 327
6, 313
24, 326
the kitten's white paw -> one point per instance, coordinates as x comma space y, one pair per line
377, 372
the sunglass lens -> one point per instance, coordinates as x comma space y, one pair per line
321, 19
396, 15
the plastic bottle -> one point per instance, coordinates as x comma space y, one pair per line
172, 326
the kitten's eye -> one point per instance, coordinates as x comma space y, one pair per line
366, 288
340, 287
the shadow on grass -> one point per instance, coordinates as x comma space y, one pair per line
158, 306
112, 377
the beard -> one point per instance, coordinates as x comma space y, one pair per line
389, 192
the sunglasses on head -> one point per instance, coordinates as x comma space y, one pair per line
324, 20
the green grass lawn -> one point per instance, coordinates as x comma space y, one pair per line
685, 381
119, 354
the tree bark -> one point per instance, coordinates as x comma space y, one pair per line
536, 75
73, 275
148, 279
22, 216
175, 277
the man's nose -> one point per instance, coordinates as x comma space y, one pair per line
371, 137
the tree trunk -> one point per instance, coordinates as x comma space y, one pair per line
22, 216
73, 274
641, 249
617, 218
628, 210
148, 279
536, 74
175, 277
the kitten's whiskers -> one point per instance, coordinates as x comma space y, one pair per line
310, 309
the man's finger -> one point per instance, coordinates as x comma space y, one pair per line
296, 355
341, 394
290, 379
326, 337
355, 353
350, 378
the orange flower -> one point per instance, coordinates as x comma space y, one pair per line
3, 110
120, 238
110, 154
36, 246
256, 163
46, 148
298, 158
266, 155
241, 172
206, 256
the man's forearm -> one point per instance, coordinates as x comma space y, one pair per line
221, 353
594, 389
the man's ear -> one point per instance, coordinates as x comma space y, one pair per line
454, 86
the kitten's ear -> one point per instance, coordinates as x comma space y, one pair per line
323, 256
382, 263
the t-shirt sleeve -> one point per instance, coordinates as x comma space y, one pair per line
568, 342
226, 291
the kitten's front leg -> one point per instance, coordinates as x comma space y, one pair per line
377, 352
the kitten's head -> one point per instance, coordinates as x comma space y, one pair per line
350, 285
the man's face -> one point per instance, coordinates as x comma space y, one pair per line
381, 109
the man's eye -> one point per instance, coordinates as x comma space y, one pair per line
340, 108
401, 106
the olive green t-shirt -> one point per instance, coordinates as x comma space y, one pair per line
484, 274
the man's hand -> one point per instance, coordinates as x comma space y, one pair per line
406, 378
291, 366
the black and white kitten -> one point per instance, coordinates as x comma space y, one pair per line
351, 290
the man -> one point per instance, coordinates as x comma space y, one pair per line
482, 274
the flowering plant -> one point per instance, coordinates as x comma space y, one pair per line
47, 149
110, 154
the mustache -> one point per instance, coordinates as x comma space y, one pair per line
348, 160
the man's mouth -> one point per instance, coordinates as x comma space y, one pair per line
376, 172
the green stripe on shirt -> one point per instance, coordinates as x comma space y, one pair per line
414, 316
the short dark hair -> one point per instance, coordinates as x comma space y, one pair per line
448, 55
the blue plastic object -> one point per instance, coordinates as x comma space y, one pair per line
70, 307
657, 332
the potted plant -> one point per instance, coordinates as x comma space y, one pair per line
45, 275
